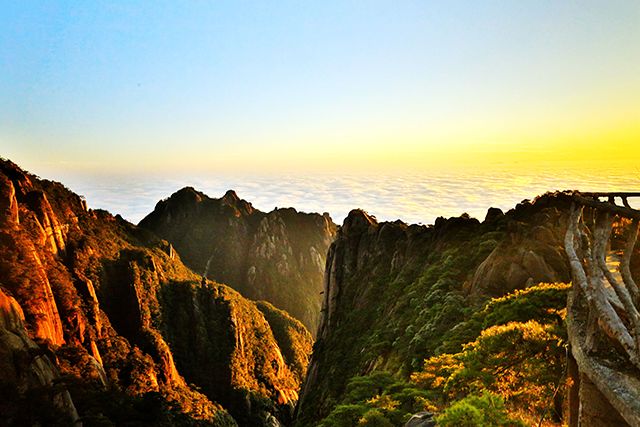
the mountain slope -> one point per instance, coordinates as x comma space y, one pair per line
277, 256
394, 293
106, 302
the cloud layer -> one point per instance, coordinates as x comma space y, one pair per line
414, 198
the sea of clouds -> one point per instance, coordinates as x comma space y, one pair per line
412, 197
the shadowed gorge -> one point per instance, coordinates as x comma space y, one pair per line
278, 256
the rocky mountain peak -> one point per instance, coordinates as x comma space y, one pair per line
186, 195
231, 195
17, 176
241, 206
493, 214
358, 221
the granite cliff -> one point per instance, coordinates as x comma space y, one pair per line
106, 326
278, 256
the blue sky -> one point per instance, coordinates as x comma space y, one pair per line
153, 85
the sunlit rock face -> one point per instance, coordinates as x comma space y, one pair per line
392, 290
277, 256
8, 202
112, 308
26, 370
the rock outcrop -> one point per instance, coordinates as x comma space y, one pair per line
277, 256
27, 374
242, 362
293, 338
421, 419
529, 254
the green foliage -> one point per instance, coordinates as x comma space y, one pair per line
363, 388
374, 418
545, 302
344, 416
436, 299
513, 347
398, 309
378, 399
519, 358
461, 414
485, 410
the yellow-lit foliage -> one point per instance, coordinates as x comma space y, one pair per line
517, 353
384, 402
520, 361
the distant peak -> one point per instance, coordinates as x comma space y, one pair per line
231, 199
187, 189
361, 214
358, 220
493, 214
231, 195
187, 194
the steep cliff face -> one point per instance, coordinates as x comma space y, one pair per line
393, 292
94, 293
277, 256
293, 338
56, 262
240, 362
27, 375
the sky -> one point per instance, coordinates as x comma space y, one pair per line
111, 87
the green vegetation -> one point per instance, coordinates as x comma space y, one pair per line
427, 307
485, 410
395, 316
378, 399
293, 338
237, 362
506, 374
544, 302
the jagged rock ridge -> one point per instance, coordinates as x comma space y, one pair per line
278, 256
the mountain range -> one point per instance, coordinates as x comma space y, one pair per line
211, 312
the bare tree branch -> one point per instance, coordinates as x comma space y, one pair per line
592, 285
602, 235
625, 262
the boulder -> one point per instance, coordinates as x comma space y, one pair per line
421, 419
